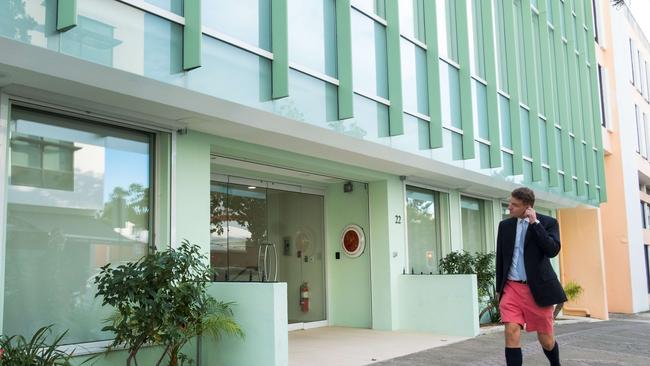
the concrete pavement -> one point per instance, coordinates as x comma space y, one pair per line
624, 340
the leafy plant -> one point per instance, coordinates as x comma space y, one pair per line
161, 299
481, 264
17, 350
572, 290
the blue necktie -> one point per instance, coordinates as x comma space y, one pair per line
521, 268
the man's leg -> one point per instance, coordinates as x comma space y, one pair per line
550, 347
513, 344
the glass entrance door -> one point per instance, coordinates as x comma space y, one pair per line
259, 233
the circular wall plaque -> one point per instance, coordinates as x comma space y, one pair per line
353, 240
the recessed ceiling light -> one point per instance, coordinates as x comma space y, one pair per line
251, 187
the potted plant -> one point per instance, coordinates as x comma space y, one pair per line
17, 350
572, 290
162, 299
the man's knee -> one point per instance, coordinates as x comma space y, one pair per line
512, 333
546, 340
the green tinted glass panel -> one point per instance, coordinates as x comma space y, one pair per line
525, 132
246, 20
479, 103
312, 35
414, 77
504, 121
543, 140
423, 213
502, 64
174, 6
484, 155
447, 32
369, 64
450, 87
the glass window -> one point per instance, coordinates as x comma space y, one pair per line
247, 20
639, 131
90, 40
632, 63
411, 19
473, 221
369, 64
537, 59
647, 263
525, 132
376, 7
447, 33
500, 36
414, 78
426, 213
644, 222
558, 149
543, 140
450, 87
475, 34
312, 35
175, 6
601, 94
504, 121
521, 59
479, 101
92, 207
505, 212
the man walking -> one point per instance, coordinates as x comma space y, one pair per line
526, 283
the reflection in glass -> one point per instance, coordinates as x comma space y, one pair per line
369, 64
414, 77
312, 35
472, 212
78, 199
246, 20
425, 229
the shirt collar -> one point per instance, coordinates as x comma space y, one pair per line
520, 220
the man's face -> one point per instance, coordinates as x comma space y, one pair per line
517, 207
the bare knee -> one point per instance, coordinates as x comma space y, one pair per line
546, 340
512, 333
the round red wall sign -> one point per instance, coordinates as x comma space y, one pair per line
353, 240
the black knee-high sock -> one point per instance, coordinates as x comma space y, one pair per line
553, 355
513, 356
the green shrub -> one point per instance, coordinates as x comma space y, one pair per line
17, 350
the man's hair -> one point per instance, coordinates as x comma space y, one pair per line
526, 195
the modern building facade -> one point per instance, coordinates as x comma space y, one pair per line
625, 53
264, 129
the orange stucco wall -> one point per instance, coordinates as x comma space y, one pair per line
581, 259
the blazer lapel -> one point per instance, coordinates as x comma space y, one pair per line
509, 242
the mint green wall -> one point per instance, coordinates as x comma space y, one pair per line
192, 189
261, 310
439, 304
388, 254
348, 278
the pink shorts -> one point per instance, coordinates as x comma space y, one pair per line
518, 306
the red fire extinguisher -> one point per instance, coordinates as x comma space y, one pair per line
304, 297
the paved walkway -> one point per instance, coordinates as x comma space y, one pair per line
624, 340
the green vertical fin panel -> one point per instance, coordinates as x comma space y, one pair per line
511, 59
595, 104
531, 75
344, 59
467, 121
66, 15
563, 113
549, 94
192, 34
587, 118
433, 74
491, 79
280, 48
395, 111
576, 111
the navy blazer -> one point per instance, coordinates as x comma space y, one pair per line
541, 243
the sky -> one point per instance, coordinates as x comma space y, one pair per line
641, 11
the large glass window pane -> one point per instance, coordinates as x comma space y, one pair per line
479, 103
525, 132
521, 59
558, 147
477, 55
504, 121
500, 38
369, 65
92, 208
175, 6
537, 57
450, 87
473, 222
247, 20
543, 140
414, 78
447, 33
411, 19
425, 225
376, 7
312, 35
